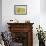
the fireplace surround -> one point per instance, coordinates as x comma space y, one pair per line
22, 33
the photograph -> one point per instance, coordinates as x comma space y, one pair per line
20, 9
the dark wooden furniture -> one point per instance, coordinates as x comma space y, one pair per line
22, 33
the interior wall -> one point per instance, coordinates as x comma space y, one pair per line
0, 15
43, 6
43, 14
33, 11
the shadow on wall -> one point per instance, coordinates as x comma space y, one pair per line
43, 6
0, 15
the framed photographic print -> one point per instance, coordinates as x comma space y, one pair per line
20, 9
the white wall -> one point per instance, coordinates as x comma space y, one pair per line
33, 10
34, 14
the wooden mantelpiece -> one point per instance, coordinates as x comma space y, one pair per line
19, 28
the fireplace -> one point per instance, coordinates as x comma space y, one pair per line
20, 38
22, 33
